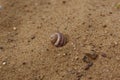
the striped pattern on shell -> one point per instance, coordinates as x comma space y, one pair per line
58, 39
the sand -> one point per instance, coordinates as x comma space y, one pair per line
26, 52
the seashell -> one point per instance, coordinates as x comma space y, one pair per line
58, 39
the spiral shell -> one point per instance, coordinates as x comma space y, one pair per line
58, 39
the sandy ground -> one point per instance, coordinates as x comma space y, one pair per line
26, 52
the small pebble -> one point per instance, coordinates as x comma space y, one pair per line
103, 55
0, 7
110, 12
24, 63
104, 26
85, 59
63, 2
88, 65
14, 28
47, 49
115, 42
33, 37
79, 76
1, 48
90, 78
64, 54
76, 58
4, 63
92, 55
10, 40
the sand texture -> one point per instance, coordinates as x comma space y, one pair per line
92, 28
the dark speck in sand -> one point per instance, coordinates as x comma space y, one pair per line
1, 48
33, 37
88, 65
63, 2
103, 55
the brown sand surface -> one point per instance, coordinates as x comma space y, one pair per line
26, 52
